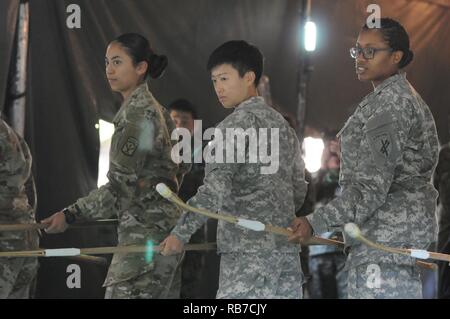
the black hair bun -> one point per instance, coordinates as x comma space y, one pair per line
158, 64
407, 58
410, 56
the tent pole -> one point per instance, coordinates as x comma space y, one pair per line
18, 88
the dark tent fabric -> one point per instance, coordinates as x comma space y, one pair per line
61, 117
8, 16
68, 92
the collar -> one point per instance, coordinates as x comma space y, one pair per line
137, 91
250, 101
383, 85
389, 81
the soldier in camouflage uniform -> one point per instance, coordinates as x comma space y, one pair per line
253, 264
17, 275
389, 150
139, 159
442, 184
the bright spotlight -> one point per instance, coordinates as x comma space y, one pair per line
313, 153
106, 131
310, 36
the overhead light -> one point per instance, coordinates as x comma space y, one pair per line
310, 36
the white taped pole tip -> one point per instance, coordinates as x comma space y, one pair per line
352, 230
419, 253
251, 224
62, 252
163, 190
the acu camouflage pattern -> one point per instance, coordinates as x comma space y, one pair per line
17, 275
139, 159
162, 283
260, 276
395, 282
389, 150
239, 189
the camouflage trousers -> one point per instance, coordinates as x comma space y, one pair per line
162, 282
384, 281
18, 278
260, 276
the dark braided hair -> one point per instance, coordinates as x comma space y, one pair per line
138, 48
397, 38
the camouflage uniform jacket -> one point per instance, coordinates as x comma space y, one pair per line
15, 178
389, 150
140, 157
242, 190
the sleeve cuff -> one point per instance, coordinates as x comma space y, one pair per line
70, 217
181, 234
74, 209
318, 223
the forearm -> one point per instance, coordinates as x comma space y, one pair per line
100, 203
210, 196
336, 213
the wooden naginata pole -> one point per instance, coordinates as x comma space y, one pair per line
165, 191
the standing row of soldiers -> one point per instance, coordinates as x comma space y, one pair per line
389, 150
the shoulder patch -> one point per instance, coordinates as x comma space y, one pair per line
383, 139
382, 144
130, 146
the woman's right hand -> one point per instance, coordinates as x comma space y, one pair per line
171, 245
301, 230
55, 223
